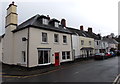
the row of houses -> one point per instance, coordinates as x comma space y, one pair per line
41, 40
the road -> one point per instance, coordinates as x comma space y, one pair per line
92, 71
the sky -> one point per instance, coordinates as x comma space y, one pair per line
100, 15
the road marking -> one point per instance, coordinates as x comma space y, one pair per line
117, 80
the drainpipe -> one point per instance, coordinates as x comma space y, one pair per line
28, 48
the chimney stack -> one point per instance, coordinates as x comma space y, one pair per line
48, 17
81, 27
63, 23
89, 30
12, 16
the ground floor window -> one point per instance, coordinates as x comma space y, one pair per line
65, 55
23, 56
43, 56
86, 53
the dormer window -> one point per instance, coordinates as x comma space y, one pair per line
45, 21
56, 24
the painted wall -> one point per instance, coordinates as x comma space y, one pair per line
20, 46
77, 44
8, 49
0, 49
36, 42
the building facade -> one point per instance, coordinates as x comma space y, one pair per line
83, 45
36, 42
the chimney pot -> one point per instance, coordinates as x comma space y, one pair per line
48, 17
63, 23
90, 30
13, 2
81, 27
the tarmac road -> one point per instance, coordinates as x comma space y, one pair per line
93, 71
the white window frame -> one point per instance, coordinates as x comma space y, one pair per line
63, 39
66, 55
56, 38
43, 56
44, 38
45, 21
23, 57
56, 24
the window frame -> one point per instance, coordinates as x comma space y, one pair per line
43, 38
82, 42
90, 42
64, 39
43, 56
45, 21
65, 55
23, 56
56, 38
56, 24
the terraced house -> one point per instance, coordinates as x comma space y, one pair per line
37, 41
83, 44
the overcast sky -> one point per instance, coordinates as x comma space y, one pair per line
101, 15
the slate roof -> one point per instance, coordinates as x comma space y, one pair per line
93, 35
35, 23
110, 40
78, 32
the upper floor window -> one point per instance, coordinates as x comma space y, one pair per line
64, 39
44, 37
56, 24
89, 42
82, 42
97, 43
45, 21
56, 38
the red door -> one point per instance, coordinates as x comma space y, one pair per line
57, 59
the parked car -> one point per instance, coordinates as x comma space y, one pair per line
113, 54
99, 56
108, 55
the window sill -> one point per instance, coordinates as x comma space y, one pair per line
64, 43
44, 43
44, 64
56, 43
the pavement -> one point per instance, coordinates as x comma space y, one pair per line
15, 70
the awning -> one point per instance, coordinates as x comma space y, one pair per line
86, 48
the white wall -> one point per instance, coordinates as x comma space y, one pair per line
1, 50
20, 46
8, 48
36, 42
76, 45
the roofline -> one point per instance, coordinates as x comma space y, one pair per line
14, 31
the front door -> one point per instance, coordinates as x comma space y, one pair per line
57, 63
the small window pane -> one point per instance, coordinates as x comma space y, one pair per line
56, 24
89, 42
64, 39
24, 57
55, 37
45, 21
82, 42
44, 37
68, 55
63, 55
